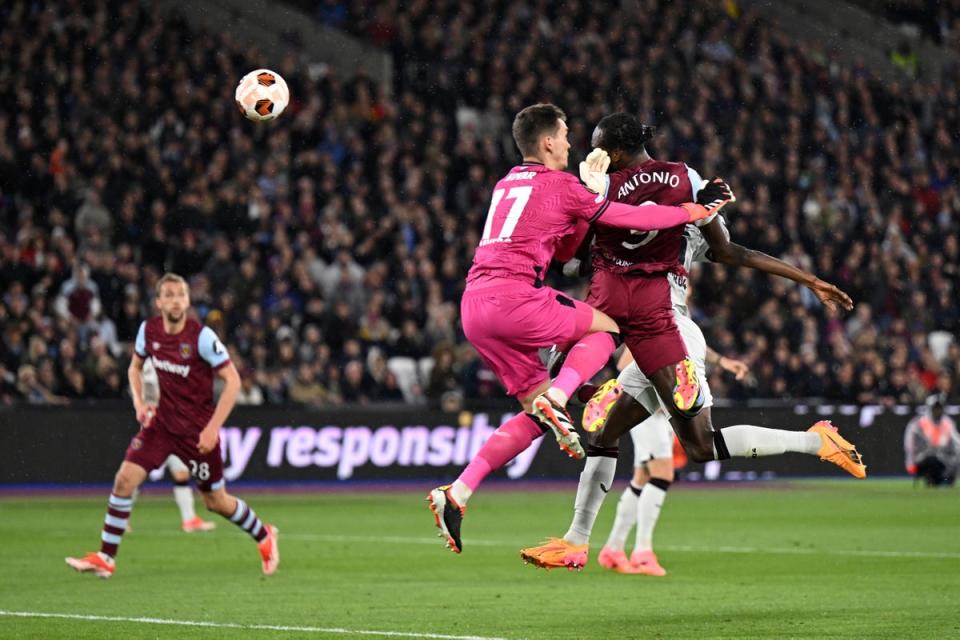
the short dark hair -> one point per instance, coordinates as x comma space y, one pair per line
623, 132
532, 123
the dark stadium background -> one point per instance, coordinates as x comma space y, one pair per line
328, 248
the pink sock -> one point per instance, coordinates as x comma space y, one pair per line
510, 438
584, 359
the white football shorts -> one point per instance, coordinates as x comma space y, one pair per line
175, 464
653, 438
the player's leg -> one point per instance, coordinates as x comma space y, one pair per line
703, 442
641, 501
183, 496
147, 450
207, 471
508, 331
571, 550
593, 339
587, 348
600, 467
626, 518
237, 511
661, 475
448, 503
586, 355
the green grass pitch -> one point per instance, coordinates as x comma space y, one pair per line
817, 559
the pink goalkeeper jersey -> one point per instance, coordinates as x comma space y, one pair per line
534, 212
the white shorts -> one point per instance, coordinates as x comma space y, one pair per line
658, 442
652, 438
175, 464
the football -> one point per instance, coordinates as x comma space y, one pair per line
262, 95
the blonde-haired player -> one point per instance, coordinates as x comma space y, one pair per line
186, 422
190, 522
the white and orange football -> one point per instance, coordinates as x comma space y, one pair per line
262, 95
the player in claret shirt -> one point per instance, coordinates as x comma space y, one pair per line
640, 279
539, 212
186, 356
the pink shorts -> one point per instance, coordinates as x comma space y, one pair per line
510, 322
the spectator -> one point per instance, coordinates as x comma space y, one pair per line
361, 216
905, 59
306, 389
79, 299
32, 391
8, 385
443, 377
932, 445
357, 387
389, 390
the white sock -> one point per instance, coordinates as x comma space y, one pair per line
595, 480
749, 441
183, 496
460, 492
626, 518
558, 395
648, 511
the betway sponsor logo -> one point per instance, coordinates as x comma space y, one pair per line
170, 367
349, 447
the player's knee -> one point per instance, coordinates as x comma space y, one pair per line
124, 483
700, 454
212, 501
603, 322
661, 468
604, 439
691, 412
220, 502
640, 476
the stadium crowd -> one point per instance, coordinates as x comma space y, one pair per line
328, 249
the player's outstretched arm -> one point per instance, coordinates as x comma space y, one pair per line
738, 368
144, 411
726, 252
228, 398
648, 217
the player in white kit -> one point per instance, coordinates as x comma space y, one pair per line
642, 500
610, 413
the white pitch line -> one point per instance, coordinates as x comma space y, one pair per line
245, 627
425, 540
